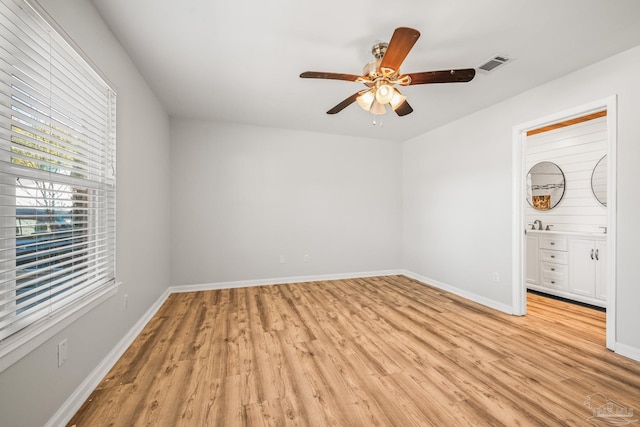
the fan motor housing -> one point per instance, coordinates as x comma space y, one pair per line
378, 50
371, 69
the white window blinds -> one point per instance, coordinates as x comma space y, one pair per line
57, 173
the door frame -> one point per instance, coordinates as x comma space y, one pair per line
519, 294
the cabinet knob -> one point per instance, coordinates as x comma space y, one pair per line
553, 269
552, 243
553, 256
553, 282
591, 253
597, 259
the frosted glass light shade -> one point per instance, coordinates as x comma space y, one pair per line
397, 99
365, 100
377, 108
384, 93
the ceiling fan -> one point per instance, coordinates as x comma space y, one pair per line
381, 76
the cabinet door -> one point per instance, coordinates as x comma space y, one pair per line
582, 267
532, 259
601, 270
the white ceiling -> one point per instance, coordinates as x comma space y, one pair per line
240, 61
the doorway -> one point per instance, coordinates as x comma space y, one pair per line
519, 224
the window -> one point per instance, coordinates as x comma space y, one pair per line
57, 176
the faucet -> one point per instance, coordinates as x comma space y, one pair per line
537, 221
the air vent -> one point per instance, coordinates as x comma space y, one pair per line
493, 63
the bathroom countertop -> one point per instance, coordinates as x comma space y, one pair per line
567, 233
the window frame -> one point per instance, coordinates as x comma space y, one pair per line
19, 344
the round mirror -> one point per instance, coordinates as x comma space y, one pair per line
545, 186
599, 181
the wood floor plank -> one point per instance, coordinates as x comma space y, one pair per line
305, 407
339, 387
378, 351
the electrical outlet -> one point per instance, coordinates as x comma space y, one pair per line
63, 352
282, 259
496, 277
125, 301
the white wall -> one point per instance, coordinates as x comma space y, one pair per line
243, 195
33, 388
456, 206
457, 188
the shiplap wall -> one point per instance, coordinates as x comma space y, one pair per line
576, 149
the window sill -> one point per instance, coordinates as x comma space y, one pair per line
22, 343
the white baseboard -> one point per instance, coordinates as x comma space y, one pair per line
280, 281
628, 351
73, 403
460, 292
621, 349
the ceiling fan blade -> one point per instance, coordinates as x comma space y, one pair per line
404, 109
344, 104
401, 43
445, 76
331, 76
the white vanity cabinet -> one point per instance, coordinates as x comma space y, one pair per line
588, 268
569, 265
601, 271
532, 259
553, 262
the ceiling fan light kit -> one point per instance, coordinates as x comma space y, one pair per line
397, 99
381, 76
366, 100
377, 108
384, 93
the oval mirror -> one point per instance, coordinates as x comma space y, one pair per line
599, 181
545, 186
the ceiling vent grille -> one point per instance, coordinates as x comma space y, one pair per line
494, 63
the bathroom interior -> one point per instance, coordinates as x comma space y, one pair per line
566, 210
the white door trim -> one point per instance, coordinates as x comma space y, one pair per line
519, 295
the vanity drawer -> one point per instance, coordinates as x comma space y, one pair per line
550, 242
555, 282
554, 275
550, 269
547, 255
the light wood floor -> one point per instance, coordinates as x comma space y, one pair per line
365, 352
